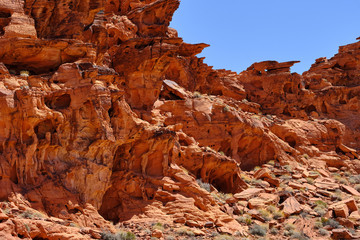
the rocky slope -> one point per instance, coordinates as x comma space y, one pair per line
109, 121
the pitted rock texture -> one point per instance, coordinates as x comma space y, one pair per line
106, 114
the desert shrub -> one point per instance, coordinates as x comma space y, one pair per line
258, 230
271, 162
265, 214
343, 181
355, 179
316, 173
246, 219
203, 185
27, 227
288, 233
170, 238
323, 232
287, 168
321, 203
310, 180
272, 208
226, 108
197, 95
274, 231
289, 227
222, 197
32, 214
121, 235
223, 237
158, 226
256, 168
337, 195
184, 232
320, 210
299, 236
246, 178
278, 215
332, 223
318, 224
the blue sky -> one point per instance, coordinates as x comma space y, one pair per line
242, 32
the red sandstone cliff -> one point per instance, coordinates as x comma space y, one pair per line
106, 114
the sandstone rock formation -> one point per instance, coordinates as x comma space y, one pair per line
107, 115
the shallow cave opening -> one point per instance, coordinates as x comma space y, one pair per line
16, 69
324, 108
291, 141
5, 18
60, 102
286, 112
342, 101
44, 127
221, 184
309, 109
167, 95
288, 88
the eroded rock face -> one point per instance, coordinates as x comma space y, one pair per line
106, 110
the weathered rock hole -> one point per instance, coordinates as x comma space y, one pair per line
288, 88
342, 101
166, 95
291, 141
13, 174
61, 102
286, 112
221, 185
44, 127
5, 18
310, 109
324, 108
